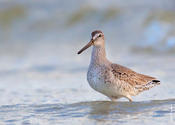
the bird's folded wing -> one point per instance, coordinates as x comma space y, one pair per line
129, 76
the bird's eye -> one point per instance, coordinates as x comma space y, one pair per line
99, 35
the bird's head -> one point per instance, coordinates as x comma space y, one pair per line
97, 40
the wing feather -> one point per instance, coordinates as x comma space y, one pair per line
139, 81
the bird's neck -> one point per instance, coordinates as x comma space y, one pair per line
98, 56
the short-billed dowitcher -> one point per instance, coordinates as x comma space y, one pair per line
113, 80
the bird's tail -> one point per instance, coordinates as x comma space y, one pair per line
147, 86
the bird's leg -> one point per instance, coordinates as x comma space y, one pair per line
129, 98
114, 98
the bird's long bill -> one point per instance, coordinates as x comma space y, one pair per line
85, 47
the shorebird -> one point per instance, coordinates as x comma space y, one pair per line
113, 80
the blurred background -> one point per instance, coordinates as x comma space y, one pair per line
39, 40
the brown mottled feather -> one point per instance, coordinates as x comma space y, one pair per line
133, 78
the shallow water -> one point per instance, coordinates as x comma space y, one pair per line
43, 80
93, 112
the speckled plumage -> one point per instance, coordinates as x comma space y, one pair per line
114, 80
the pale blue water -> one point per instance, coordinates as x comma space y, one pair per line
92, 112
43, 80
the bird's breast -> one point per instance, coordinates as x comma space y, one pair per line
102, 80
95, 78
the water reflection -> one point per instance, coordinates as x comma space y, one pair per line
97, 111
103, 110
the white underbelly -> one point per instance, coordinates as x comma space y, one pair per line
97, 82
